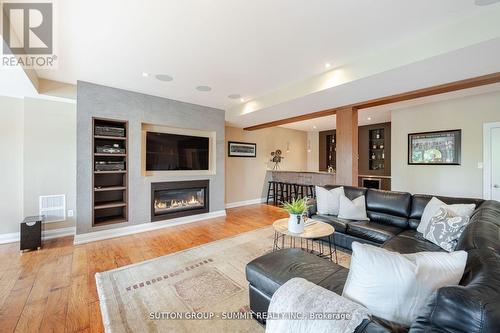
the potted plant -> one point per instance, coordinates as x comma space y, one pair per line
296, 208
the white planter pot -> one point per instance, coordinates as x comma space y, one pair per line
296, 223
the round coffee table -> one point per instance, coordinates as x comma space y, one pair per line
310, 237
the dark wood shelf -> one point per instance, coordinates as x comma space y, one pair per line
110, 172
112, 204
110, 154
103, 137
109, 220
110, 188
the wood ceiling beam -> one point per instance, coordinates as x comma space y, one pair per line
406, 96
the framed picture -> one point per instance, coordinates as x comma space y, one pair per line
435, 148
241, 149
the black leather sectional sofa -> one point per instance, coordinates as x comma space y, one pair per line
473, 306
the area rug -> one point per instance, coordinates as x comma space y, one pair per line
202, 289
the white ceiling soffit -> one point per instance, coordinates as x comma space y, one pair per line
476, 60
465, 49
382, 113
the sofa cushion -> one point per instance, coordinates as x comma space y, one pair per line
268, 272
472, 307
484, 230
389, 202
350, 191
339, 224
410, 241
419, 201
375, 232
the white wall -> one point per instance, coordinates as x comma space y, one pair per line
49, 155
246, 177
313, 152
11, 164
468, 114
37, 157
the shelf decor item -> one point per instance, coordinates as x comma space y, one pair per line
296, 208
241, 149
276, 157
435, 148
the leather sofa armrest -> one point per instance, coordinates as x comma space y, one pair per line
312, 208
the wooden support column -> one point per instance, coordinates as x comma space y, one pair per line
347, 147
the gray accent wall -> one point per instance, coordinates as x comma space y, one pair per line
106, 102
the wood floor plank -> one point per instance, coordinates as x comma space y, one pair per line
78, 317
54, 318
54, 290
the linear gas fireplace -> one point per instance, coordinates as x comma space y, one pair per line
175, 199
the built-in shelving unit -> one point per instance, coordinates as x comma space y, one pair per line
376, 149
110, 179
331, 152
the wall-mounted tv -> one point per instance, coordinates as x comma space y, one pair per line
166, 152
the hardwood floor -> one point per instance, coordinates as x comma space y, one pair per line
53, 290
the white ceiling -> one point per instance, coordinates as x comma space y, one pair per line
234, 46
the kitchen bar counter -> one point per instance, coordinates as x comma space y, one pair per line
302, 177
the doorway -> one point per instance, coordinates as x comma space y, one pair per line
491, 186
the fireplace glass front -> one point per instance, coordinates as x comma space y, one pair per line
175, 199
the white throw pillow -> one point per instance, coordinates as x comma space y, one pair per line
327, 201
353, 210
433, 206
396, 286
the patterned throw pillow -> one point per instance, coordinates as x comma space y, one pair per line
445, 228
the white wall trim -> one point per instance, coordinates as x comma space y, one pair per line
487, 127
245, 203
134, 229
9, 238
46, 235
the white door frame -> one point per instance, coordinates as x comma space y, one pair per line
487, 157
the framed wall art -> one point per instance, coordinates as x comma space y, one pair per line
435, 148
241, 149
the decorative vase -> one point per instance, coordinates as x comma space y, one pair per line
296, 223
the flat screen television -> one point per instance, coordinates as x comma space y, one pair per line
166, 151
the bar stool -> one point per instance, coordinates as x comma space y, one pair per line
271, 192
311, 193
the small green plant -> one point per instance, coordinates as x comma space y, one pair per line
296, 206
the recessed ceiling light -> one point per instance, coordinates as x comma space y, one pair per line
242, 99
485, 2
144, 74
234, 96
164, 77
315, 127
328, 65
203, 88
369, 118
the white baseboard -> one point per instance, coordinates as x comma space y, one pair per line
46, 234
245, 203
134, 229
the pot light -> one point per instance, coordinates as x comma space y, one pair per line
242, 99
328, 65
314, 127
203, 88
369, 118
164, 77
144, 74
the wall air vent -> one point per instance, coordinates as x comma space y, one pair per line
53, 207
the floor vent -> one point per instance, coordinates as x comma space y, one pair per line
53, 207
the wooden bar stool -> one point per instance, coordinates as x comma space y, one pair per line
271, 192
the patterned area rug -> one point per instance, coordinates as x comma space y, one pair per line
207, 282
